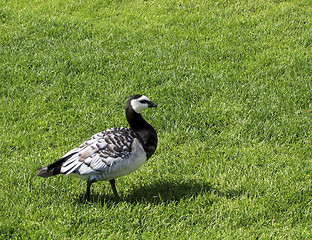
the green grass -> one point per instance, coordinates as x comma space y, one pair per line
232, 80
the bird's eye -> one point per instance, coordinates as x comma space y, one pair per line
144, 101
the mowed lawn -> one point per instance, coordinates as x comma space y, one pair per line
232, 80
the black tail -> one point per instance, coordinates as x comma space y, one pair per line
52, 169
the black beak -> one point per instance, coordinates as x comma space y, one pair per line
151, 104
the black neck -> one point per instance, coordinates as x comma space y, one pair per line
136, 121
144, 130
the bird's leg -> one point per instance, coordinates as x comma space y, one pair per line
87, 195
112, 183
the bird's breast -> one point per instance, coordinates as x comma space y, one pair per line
126, 165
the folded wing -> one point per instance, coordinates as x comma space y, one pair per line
99, 153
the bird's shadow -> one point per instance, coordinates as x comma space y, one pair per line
160, 192
168, 191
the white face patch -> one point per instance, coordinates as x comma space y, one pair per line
137, 106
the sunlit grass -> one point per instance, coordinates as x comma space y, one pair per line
233, 84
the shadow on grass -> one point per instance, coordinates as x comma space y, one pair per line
157, 192
168, 191
164, 192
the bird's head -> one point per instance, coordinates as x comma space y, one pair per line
140, 103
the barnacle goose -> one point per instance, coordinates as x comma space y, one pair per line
112, 153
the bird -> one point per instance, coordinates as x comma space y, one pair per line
112, 153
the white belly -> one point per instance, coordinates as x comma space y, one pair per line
125, 166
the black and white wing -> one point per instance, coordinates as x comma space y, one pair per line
99, 154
